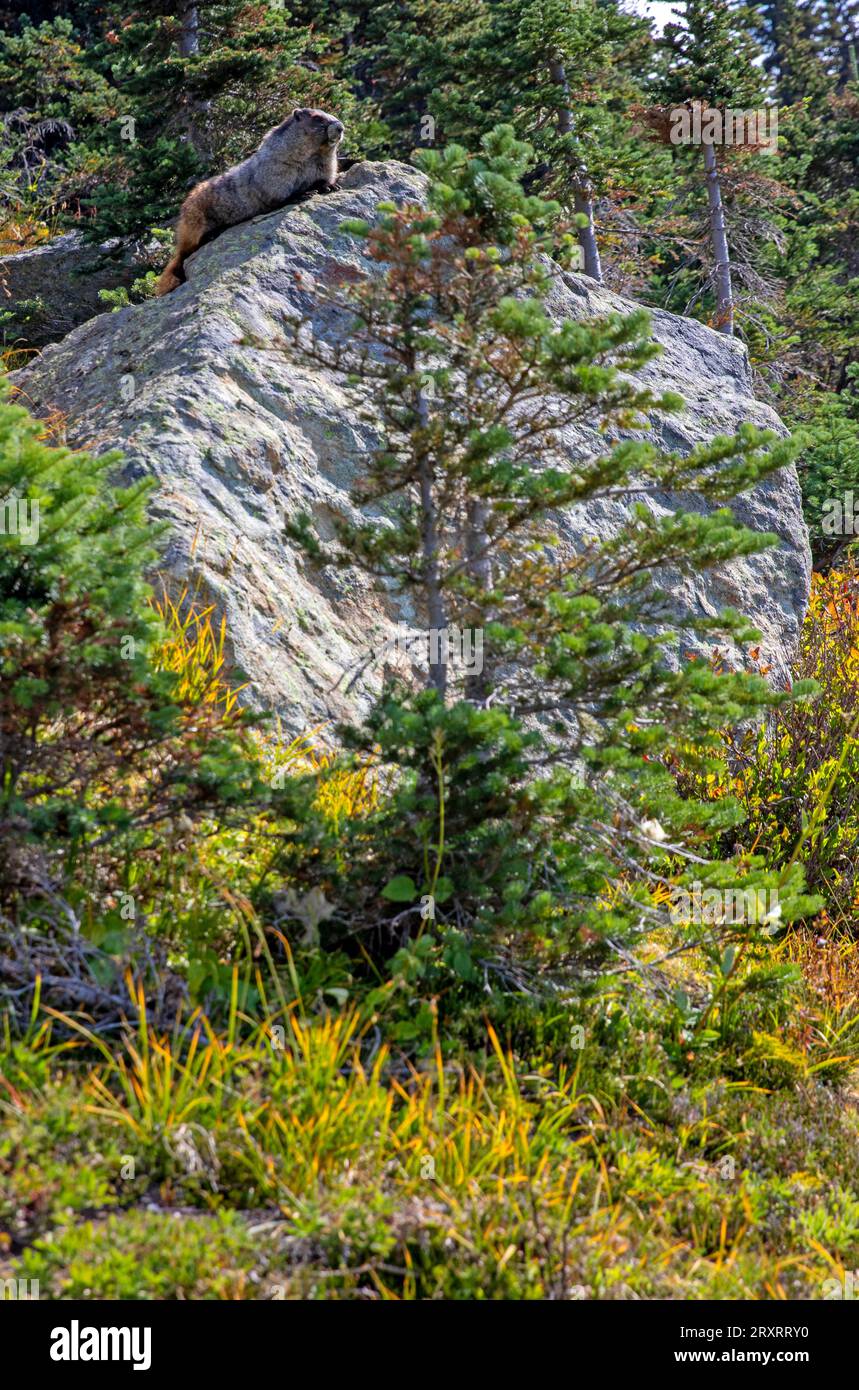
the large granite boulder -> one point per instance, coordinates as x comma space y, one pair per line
241, 437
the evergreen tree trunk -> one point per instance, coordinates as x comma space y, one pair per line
189, 38
436, 615
477, 544
719, 243
583, 194
188, 46
477, 552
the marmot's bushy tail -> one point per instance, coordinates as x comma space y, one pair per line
191, 229
171, 276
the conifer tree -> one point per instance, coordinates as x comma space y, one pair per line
838, 30
475, 385
808, 339
790, 38
94, 744
560, 73
709, 68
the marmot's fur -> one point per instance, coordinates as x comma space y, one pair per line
293, 156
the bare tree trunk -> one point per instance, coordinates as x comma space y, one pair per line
583, 193
194, 116
189, 37
583, 202
480, 570
719, 243
436, 614
477, 544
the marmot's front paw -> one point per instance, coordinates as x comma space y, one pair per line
328, 188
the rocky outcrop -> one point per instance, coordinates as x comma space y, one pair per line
53, 288
241, 437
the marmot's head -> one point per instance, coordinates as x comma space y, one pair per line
307, 131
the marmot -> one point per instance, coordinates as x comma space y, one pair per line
293, 156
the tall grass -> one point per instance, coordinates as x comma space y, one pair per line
193, 648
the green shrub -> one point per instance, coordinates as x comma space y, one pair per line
145, 1255
95, 742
